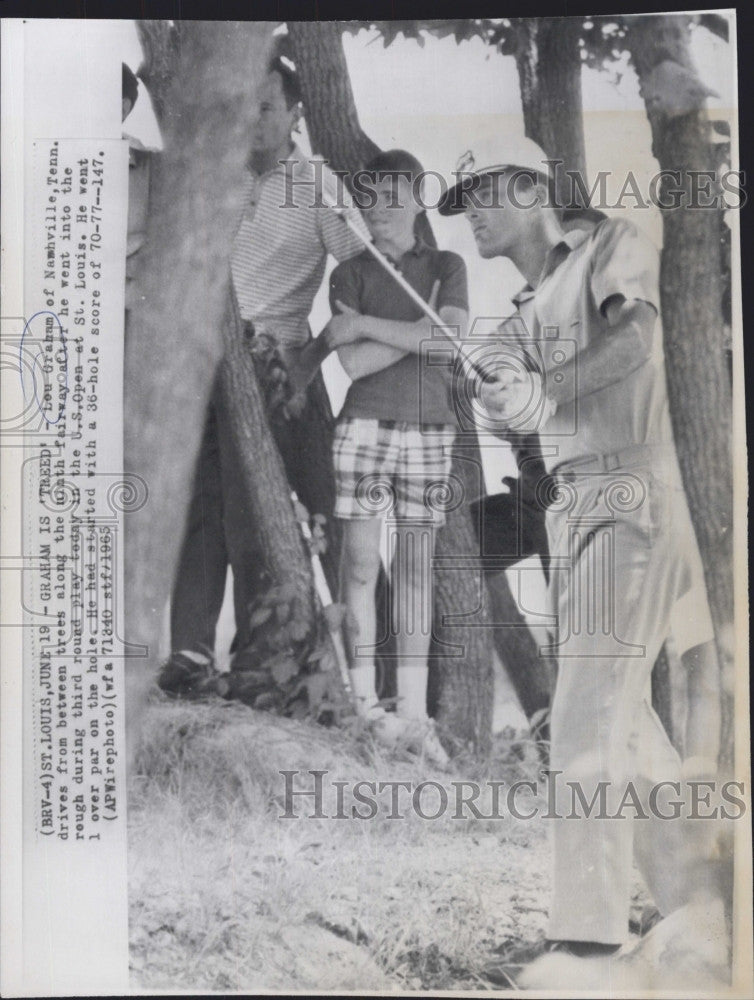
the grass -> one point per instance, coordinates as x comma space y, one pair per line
226, 895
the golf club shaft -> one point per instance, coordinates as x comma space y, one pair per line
325, 597
426, 308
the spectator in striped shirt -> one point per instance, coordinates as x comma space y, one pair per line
277, 264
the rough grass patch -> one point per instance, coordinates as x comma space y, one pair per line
225, 894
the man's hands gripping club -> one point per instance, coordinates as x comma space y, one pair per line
517, 398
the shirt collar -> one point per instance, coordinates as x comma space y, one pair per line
296, 157
526, 293
417, 250
419, 247
556, 255
575, 237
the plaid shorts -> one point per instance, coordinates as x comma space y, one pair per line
391, 468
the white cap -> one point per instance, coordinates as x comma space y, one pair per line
493, 155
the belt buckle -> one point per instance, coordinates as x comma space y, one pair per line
573, 467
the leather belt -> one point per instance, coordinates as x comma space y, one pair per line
612, 461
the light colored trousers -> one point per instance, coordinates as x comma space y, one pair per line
623, 551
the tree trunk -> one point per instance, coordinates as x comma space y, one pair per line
161, 45
461, 652
549, 72
531, 672
331, 116
280, 542
464, 699
174, 334
691, 287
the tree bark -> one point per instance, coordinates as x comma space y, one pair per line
280, 542
691, 287
174, 333
461, 651
549, 72
531, 672
329, 107
161, 45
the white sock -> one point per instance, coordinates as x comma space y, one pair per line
412, 691
191, 654
363, 685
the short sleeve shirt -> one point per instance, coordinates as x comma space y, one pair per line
139, 172
280, 250
415, 389
565, 314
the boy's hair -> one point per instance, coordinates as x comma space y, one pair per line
289, 77
130, 88
392, 162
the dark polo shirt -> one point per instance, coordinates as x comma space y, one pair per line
409, 391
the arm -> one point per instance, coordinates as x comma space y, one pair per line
383, 342
624, 283
625, 346
364, 357
337, 237
372, 341
409, 337
358, 357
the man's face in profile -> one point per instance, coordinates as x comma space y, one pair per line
274, 120
499, 211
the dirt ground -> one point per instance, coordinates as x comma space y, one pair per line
227, 895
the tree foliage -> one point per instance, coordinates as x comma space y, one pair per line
602, 39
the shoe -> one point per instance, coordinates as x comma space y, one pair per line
187, 674
564, 971
387, 728
255, 688
503, 971
418, 736
421, 738
650, 916
506, 971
